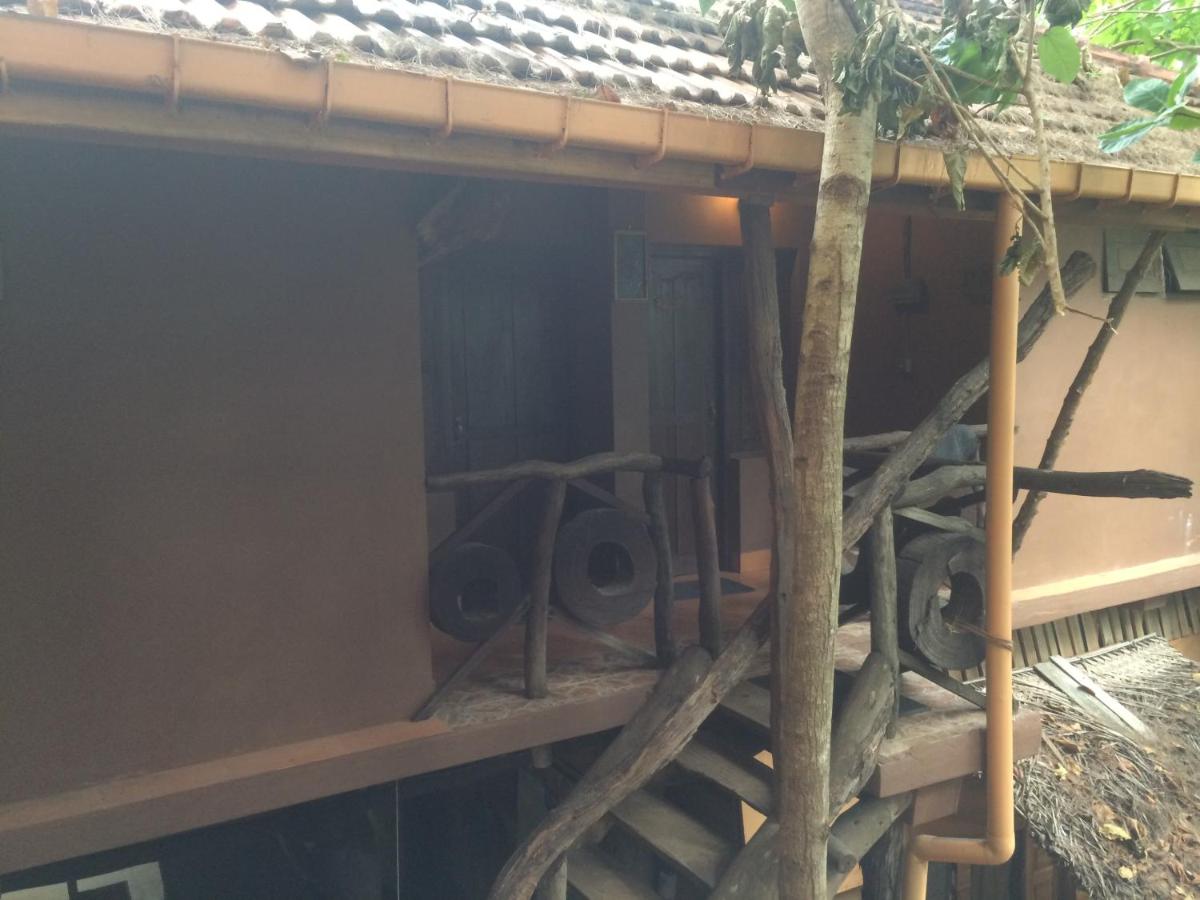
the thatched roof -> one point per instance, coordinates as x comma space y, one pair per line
657, 53
1121, 811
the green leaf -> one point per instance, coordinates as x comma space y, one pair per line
956, 168
706, 5
1118, 138
1196, 158
1184, 118
1178, 91
1059, 54
789, 5
1147, 93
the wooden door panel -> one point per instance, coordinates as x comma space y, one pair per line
683, 375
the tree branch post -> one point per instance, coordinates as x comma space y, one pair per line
807, 621
1083, 378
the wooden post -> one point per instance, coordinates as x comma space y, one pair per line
664, 589
583, 808
883, 865
539, 591
704, 519
885, 633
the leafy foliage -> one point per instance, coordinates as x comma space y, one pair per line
1168, 32
1059, 53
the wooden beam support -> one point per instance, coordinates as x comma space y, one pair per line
539, 591
664, 585
885, 629
704, 520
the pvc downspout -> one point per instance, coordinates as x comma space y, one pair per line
999, 840
178, 69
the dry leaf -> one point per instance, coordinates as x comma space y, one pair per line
1115, 832
1060, 772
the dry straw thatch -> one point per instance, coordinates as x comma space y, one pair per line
1123, 815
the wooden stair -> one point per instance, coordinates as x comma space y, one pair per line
721, 756
594, 877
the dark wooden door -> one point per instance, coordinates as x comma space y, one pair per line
497, 373
684, 413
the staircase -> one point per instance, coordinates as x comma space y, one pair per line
686, 850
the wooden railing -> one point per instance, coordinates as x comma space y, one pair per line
558, 477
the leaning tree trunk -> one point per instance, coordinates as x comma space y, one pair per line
804, 645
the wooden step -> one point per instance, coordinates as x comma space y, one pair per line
749, 780
675, 836
750, 704
596, 878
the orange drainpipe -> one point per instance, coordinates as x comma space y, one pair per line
999, 841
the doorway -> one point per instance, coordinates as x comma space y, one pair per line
684, 377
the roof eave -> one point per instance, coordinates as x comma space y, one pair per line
343, 104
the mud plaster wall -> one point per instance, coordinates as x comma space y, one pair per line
211, 498
1140, 412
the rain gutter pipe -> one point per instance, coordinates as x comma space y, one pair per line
999, 840
176, 68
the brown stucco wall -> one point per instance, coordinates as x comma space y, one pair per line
1140, 412
211, 511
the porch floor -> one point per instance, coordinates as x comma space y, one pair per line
594, 686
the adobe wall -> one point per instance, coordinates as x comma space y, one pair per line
1140, 412
212, 494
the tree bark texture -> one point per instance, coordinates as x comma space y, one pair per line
883, 866
664, 584
885, 627
1083, 378
657, 746
539, 591
761, 290
807, 620
1144, 484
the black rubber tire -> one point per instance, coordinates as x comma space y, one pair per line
922, 567
448, 580
603, 605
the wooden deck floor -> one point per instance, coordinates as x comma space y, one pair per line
592, 688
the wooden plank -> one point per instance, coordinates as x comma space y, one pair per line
1091, 630
914, 663
750, 781
477, 521
688, 845
885, 630
595, 878
751, 704
704, 520
1019, 650
664, 586
470, 664
1137, 615
1178, 616
952, 524
539, 591
1077, 634
1085, 693
609, 499
642, 655
1192, 600
1062, 635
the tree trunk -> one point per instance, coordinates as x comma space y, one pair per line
807, 621
1087, 371
761, 291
